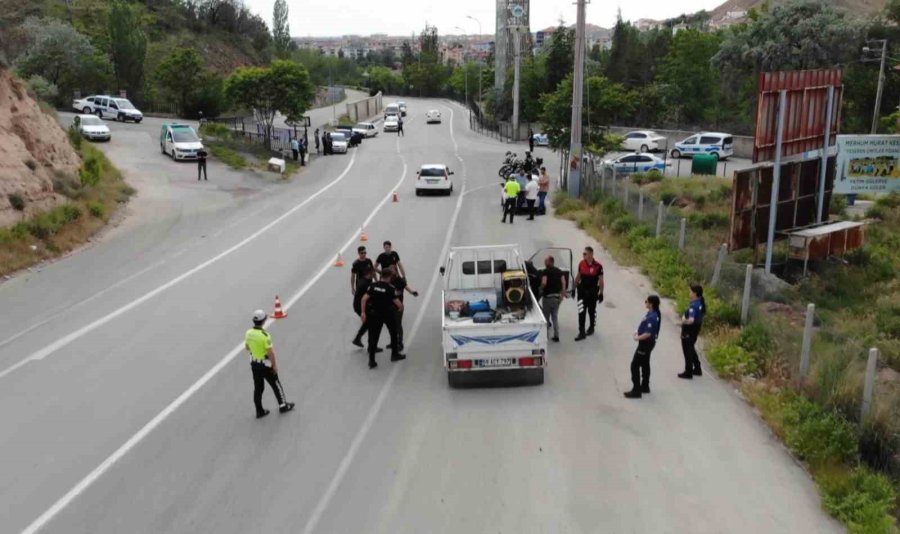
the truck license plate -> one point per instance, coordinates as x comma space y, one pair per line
495, 362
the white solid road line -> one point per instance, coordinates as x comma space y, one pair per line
360, 436
94, 475
63, 341
82, 302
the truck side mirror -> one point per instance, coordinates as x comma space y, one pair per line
442, 271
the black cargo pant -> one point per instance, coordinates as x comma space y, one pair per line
201, 168
261, 375
375, 322
509, 208
688, 347
640, 364
587, 305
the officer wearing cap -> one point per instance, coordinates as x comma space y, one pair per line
379, 309
264, 365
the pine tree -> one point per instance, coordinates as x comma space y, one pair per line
281, 31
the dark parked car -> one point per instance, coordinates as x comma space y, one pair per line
355, 137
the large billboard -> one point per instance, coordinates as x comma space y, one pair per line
806, 112
868, 164
798, 193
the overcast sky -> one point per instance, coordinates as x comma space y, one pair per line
401, 17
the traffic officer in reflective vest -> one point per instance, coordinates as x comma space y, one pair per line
379, 308
264, 365
589, 282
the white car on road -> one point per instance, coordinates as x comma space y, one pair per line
339, 143
402, 106
434, 177
391, 123
631, 163
644, 141
91, 127
367, 129
433, 116
102, 106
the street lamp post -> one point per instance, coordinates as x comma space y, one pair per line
479, 63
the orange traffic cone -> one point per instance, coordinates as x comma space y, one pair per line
340, 261
279, 312
396, 197
362, 235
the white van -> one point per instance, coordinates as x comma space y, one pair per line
720, 145
179, 141
392, 109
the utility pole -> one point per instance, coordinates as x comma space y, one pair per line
575, 160
517, 47
479, 61
876, 113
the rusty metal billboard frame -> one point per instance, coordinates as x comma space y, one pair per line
799, 195
806, 102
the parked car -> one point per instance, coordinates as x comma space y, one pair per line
179, 141
339, 142
720, 145
434, 177
354, 137
367, 129
433, 116
631, 163
402, 106
541, 139
391, 109
108, 106
91, 127
391, 123
644, 141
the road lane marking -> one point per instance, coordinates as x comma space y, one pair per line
62, 342
124, 449
81, 302
360, 436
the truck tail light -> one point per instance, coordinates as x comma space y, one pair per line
463, 364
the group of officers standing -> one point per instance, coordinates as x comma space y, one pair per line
378, 289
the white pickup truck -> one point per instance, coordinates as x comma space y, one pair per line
493, 328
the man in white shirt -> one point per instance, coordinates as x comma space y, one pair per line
531, 195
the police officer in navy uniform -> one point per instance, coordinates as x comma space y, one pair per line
646, 335
589, 282
401, 286
691, 322
379, 308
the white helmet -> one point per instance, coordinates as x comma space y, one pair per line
259, 316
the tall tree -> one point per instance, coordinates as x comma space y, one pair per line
560, 56
180, 75
281, 31
282, 87
127, 48
691, 85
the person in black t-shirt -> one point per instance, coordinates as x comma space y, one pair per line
359, 267
389, 258
400, 286
379, 308
361, 287
553, 291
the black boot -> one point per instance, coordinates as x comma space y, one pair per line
260, 415
687, 375
372, 363
645, 389
633, 394
286, 407
580, 336
358, 342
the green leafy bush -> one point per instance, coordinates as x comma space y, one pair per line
622, 224
732, 361
91, 168
818, 435
16, 201
70, 213
643, 178
755, 338
707, 220
96, 209
838, 205
74, 137
863, 501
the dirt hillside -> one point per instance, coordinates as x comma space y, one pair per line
33, 149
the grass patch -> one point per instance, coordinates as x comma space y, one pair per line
228, 156
97, 191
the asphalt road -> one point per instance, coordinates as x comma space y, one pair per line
126, 400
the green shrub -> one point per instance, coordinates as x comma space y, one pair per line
818, 435
863, 501
876, 212
838, 205
71, 213
638, 232
96, 209
755, 338
891, 201
91, 168
623, 224
732, 361
643, 178
887, 319
709, 220
16, 201
564, 204
74, 137
228, 156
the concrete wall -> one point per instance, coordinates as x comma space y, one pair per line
365, 109
743, 144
